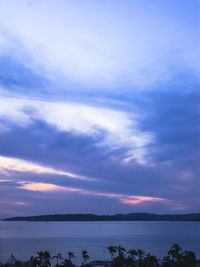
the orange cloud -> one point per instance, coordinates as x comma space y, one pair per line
45, 187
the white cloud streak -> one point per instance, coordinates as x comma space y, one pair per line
119, 128
8, 164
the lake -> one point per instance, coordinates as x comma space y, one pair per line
24, 239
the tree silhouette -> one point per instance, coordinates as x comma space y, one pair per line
150, 261
188, 258
121, 251
112, 250
33, 261
58, 258
44, 259
166, 262
68, 262
141, 255
85, 257
120, 259
131, 260
176, 257
175, 252
71, 255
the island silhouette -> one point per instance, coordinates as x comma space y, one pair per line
117, 217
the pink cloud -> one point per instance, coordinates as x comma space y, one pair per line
125, 199
135, 200
12, 207
20, 203
46, 187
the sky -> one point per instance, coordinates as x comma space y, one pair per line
99, 106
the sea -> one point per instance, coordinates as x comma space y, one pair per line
24, 239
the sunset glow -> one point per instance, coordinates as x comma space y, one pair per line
125, 199
99, 107
44, 187
134, 200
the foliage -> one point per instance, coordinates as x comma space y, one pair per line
176, 257
85, 257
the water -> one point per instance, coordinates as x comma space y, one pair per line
24, 239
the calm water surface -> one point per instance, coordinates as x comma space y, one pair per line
24, 239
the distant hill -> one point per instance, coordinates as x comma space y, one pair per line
117, 217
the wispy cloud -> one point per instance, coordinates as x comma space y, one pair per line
135, 200
138, 48
45, 187
125, 199
8, 164
118, 129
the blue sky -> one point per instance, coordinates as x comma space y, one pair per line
99, 106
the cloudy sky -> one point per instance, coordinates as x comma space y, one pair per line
99, 106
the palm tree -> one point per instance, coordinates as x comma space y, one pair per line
120, 251
58, 258
71, 255
133, 253
44, 259
119, 260
40, 258
140, 254
175, 252
112, 251
85, 256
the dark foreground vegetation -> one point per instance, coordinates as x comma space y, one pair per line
118, 217
119, 257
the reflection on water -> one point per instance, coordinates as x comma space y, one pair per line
24, 239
